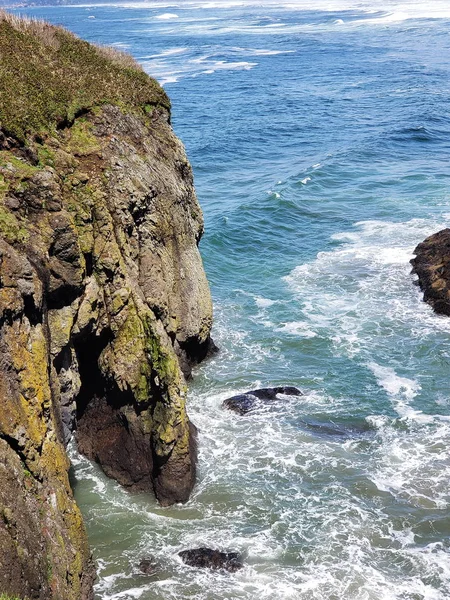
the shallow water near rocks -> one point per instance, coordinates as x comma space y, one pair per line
319, 142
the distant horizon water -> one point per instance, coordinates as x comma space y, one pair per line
319, 136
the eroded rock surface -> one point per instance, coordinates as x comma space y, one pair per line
245, 403
44, 550
104, 304
432, 266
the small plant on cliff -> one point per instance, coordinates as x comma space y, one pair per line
7, 597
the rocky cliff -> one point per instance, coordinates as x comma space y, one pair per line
104, 304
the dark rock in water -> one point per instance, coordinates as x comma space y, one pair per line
244, 403
148, 566
205, 558
342, 431
432, 265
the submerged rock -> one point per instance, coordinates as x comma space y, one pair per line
149, 566
206, 558
244, 403
432, 266
335, 430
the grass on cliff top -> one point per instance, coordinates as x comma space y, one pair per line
48, 76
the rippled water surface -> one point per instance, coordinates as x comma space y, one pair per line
319, 136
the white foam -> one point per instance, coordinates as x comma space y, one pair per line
299, 328
168, 79
167, 68
260, 51
412, 463
362, 290
232, 66
385, 11
394, 384
164, 53
167, 16
264, 302
121, 45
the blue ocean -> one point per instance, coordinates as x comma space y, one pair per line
319, 135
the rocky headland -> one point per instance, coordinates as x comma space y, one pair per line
104, 304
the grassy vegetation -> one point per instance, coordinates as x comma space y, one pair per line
7, 597
12, 231
48, 76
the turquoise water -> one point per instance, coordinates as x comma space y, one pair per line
319, 139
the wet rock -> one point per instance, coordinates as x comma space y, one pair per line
115, 440
206, 558
432, 266
334, 430
148, 566
244, 403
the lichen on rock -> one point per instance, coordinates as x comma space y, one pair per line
104, 304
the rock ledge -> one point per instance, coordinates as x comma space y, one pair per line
432, 266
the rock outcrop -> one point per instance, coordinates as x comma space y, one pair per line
206, 558
245, 403
149, 566
432, 266
104, 304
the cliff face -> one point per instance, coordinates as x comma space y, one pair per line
104, 304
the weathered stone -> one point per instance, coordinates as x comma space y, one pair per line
114, 335
115, 439
244, 403
432, 266
206, 558
104, 304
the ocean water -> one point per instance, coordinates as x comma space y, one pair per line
319, 137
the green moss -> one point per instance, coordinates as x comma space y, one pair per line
17, 167
164, 362
49, 569
143, 389
10, 228
79, 200
46, 156
14, 176
8, 597
4, 187
82, 141
49, 76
